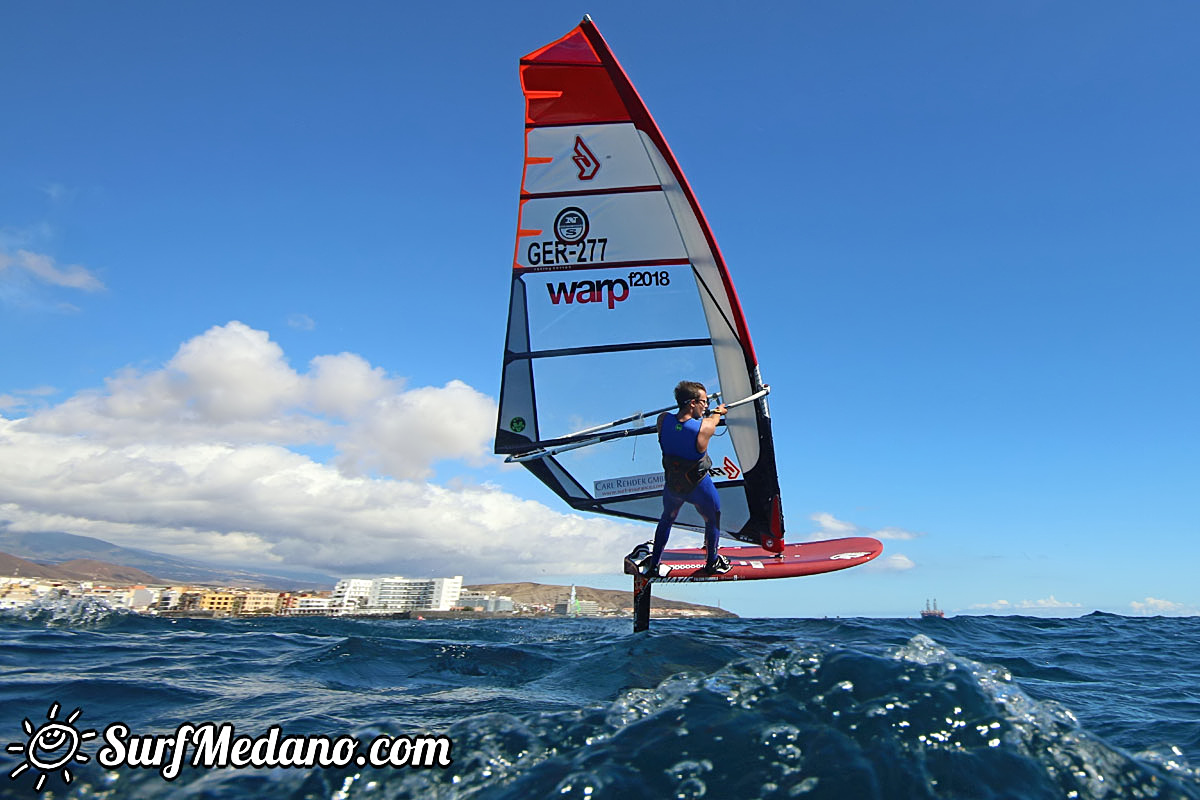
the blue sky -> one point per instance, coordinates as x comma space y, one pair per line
253, 279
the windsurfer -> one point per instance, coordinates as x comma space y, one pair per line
684, 438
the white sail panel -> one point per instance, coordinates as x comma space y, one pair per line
578, 231
588, 307
586, 158
735, 381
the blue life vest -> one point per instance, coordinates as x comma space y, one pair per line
684, 464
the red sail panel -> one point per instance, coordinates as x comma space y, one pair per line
573, 48
570, 95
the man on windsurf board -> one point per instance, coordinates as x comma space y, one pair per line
684, 437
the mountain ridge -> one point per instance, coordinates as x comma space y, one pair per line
55, 548
79, 569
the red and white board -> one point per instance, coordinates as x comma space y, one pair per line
754, 563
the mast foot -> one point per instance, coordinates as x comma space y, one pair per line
641, 603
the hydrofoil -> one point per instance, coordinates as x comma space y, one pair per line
746, 564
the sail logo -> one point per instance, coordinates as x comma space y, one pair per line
571, 225
613, 291
583, 158
571, 244
652, 482
727, 470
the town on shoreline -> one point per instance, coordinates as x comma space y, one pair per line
394, 597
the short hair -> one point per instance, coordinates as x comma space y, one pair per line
686, 391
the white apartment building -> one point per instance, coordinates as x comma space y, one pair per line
140, 598
486, 601
578, 608
309, 606
17, 592
415, 594
350, 594
260, 602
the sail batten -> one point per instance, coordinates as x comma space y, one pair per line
618, 291
586, 193
646, 262
612, 348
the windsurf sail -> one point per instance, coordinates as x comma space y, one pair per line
619, 291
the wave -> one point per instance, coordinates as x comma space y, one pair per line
61, 612
912, 720
814, 722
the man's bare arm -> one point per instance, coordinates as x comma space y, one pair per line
707, 426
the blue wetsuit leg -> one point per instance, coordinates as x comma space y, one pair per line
706, 500
671, 505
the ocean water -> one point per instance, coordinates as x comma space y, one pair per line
980, 707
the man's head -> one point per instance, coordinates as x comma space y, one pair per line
689, 392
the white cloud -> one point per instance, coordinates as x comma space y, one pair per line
43, 269
229, 384
58, 192
1050, 603
402, 434
896, 533
26, 237
234, 373
301, 322
345, 384
19, 400
1153, 606
831, 526
192, 459
897, 562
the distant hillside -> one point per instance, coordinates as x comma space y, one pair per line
57, 548
87, 569
10, 565
81, 569
607, 599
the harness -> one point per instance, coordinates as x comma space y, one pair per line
683, 474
